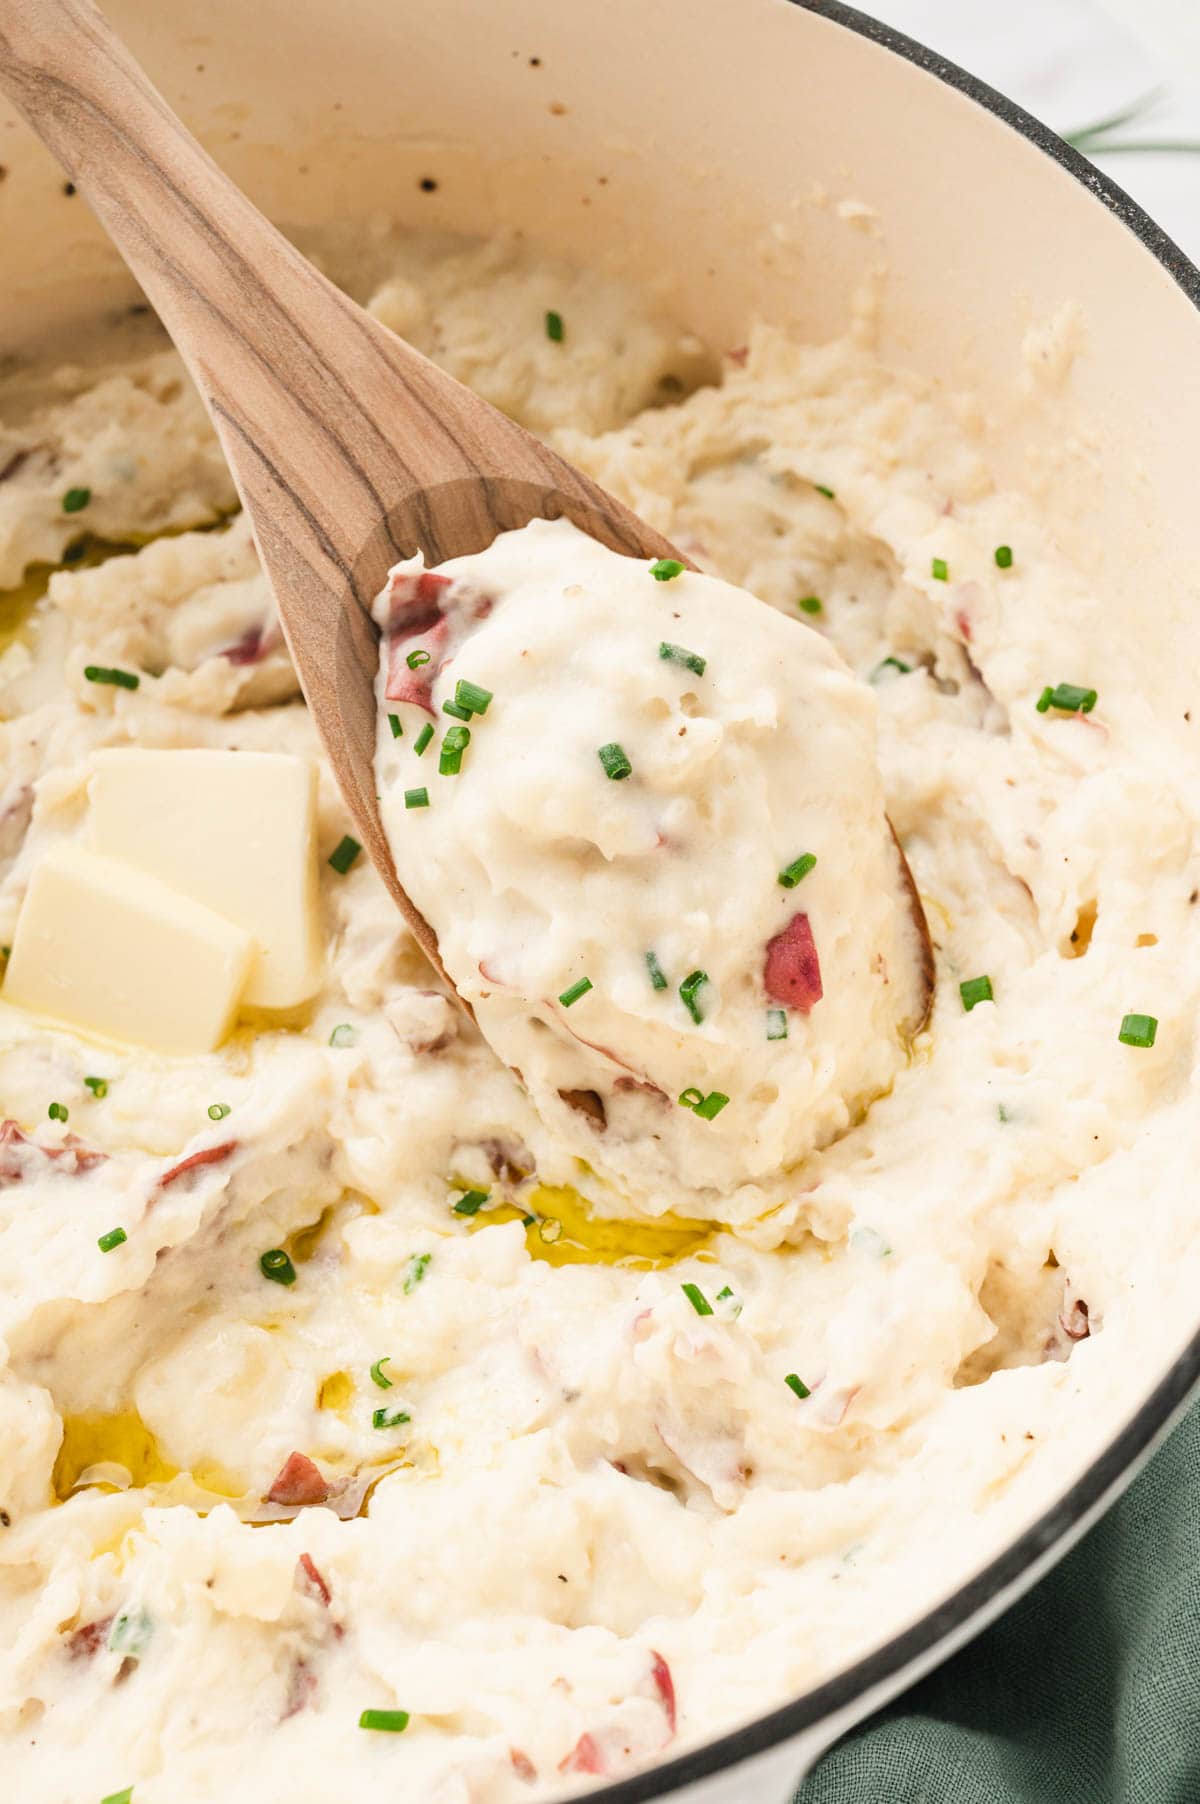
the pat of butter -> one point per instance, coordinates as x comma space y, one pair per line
117, 954
236, 831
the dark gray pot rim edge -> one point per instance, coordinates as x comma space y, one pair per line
1170, 1395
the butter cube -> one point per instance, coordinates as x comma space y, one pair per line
114, 953
236, 831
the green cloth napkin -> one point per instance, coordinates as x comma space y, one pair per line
1087, 1691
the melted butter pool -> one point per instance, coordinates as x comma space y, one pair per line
564, 1231
114, 1452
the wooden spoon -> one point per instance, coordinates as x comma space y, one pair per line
349, 449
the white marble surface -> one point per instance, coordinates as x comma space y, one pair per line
1073, 62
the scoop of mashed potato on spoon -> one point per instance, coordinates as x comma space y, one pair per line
642, 813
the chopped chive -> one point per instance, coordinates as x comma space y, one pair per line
528, 1221
116, 1237
102, 673
822, 490
798, 1385
418, 1265
870, 1240
343, 1035
791, 874
471, 697
575, 992
712, 1105
810, 604
975, 989
75, 500
1003, 556
393, 1721
389, 1418
276, 1266
695, 980
456, 710
896, 664
217, 1111
57, 1112
616, 764
940, 570
98, 1087
416, 798
1002, 1113
691, 1098
119, 1797
396, 725
131, 1634
734, 1302
470, 1202
1068, 698
1138, 1030
344, 854
379, 1376
454, 744
658, 977
679, 654
415, 659
777, 1024
697, 1299
665, 569
555, 330
423, 737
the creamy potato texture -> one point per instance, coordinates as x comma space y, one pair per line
483, 1465
614, 867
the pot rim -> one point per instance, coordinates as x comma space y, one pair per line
1048, 1535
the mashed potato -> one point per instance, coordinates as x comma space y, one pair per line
487, 1466
624, 806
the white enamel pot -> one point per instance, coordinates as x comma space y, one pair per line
748, 157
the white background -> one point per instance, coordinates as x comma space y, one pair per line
1073, 62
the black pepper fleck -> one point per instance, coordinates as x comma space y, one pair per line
428, 185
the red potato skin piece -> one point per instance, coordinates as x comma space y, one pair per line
664, 1684
585, 1757
208, 1155
418, 621
298, 1483
302, 1689
522, 1765
253, 646
415, 600
83, 1643
407, 685
310, 1578
792, 971
415, 623
76, 1155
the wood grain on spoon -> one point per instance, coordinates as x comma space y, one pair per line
349, 449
